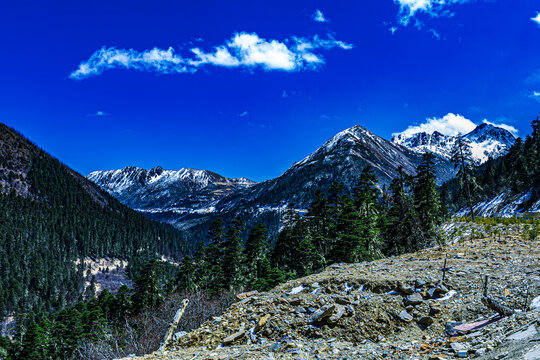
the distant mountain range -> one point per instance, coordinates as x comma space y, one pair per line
190, 199
486, 141
185, 190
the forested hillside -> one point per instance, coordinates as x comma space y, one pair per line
513, 179
51, 216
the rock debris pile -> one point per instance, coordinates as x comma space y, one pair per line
395, 308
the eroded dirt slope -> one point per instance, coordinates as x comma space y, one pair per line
391, 308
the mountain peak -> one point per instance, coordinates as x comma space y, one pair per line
486, 140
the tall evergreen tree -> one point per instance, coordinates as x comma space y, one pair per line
350, 229
366, 194
461, 157
402, 230
426, 196
232, 255
255, 254
148, 289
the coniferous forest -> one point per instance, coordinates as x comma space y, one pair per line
50, 218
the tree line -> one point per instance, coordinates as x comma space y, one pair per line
367, 224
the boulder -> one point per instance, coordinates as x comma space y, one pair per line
405, 316
323, 312
413, 299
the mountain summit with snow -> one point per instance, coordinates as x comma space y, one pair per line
183, 190
486, 141
190, 199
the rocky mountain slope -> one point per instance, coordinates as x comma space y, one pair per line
395, 308
192, 202
182, 191
486, 141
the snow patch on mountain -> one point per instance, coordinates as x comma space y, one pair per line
505, 205
486, 140
177, 191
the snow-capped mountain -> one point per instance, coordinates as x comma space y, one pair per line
185, 190
191, 199
486, 141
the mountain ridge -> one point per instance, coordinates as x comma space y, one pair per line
341, 158
486, 141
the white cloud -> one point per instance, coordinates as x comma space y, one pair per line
408, 9
245, 113
507, 127
318, 16
246, 50
535, 95
450, 124
536, 19
98, 113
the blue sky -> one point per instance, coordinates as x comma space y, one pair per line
245, 88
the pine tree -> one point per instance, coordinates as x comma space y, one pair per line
35, 342
462, 159
232, 255
402, 231
214, 255
426, 196
366, 195
534, 157
255, 253
349, 243
186, 279
319, 226
148, 289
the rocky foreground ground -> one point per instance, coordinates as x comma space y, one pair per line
395, 308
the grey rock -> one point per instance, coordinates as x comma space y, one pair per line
405, 316
338, 313
426, 320
407, 289
441, 289
343, 300
480, 352
413, 299
525, 334
324, 312
457, 346
232, 338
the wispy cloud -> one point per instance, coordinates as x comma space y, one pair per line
243, 50
408, 9
450, 124
535, 95
98, 113
245, 113
507, 127
536, 19
318, 16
